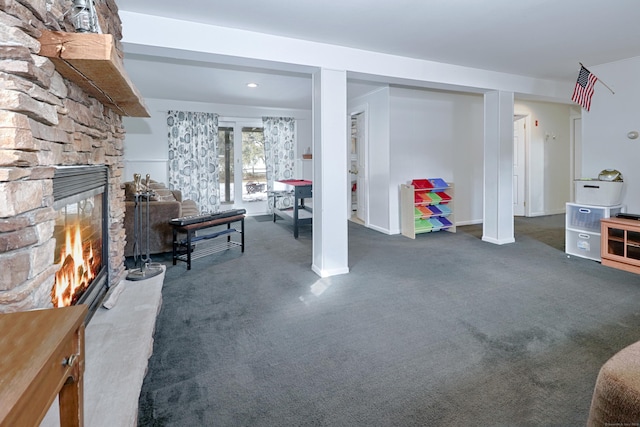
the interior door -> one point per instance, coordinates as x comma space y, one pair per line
357, 180
360, 179
519, 166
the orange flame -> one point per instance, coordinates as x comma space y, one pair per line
76, 272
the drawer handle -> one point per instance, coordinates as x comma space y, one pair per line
584, 210
69, 361
591, 186
584, 236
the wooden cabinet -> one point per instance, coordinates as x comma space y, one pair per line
426, 205
620, 244
41, 356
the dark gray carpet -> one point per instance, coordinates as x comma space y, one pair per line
444, 330
263, 218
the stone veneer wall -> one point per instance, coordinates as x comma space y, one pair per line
47, 121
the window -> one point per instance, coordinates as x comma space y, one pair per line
254, 170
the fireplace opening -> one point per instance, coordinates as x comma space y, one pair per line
81, 234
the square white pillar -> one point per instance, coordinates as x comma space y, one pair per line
330, 173
498, 168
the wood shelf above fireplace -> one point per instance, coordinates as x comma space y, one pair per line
92, 62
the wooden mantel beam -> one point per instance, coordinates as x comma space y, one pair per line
92, 62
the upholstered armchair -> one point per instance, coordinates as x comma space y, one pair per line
164, 205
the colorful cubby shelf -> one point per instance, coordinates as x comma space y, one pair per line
426, 205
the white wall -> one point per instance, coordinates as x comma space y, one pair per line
416, 133
604, 129
413, 133
437, 135
146, 146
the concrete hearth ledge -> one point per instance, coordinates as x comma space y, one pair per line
118, 344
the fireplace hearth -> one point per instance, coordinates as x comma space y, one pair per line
81, 235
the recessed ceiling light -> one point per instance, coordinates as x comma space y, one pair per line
252, 85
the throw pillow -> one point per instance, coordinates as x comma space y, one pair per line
163, 195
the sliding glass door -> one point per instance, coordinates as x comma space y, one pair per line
243, 181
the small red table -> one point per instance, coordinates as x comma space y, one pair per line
300, 214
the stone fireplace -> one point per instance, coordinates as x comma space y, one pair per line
48, 123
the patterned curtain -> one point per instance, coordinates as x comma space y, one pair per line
193, 158
280, 154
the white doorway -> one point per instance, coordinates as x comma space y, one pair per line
357, 167
519, 164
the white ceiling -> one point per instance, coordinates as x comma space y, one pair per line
537, 38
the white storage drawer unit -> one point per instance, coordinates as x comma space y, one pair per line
587, 217
583, 244
582, 228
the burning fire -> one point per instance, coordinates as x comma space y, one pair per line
77, 269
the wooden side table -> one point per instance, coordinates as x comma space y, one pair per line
41, 356
620, 243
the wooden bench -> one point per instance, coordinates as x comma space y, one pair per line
185, 250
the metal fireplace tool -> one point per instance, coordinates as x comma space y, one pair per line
145, 269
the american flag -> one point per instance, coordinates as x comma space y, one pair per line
584, 88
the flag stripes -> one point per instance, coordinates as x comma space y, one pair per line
584, 88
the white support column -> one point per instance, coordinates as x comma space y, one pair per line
498, 168
330, 170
